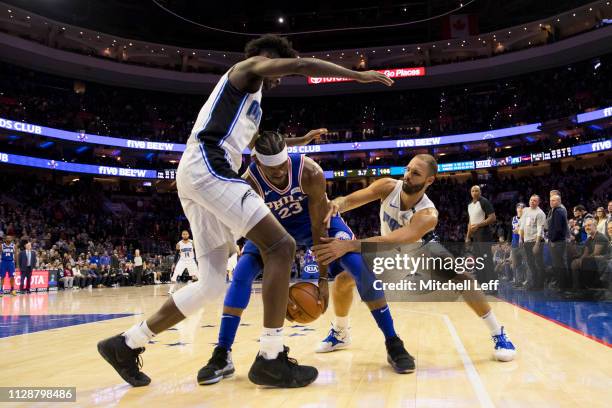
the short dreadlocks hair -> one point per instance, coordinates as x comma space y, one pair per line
270, 143
270, 42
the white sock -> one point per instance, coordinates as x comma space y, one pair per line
341, 323
138, 335
271, 343
491, 322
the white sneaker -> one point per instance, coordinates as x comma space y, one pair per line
335, 340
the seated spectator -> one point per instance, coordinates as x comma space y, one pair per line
68, 278
600, 220
502, 260
79, 278
588, 268
127, 275
578, 230
94, 263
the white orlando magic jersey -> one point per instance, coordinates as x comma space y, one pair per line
391, 215
229, 119
186, 250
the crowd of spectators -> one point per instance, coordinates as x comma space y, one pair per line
93, 234
121, 112
78, 227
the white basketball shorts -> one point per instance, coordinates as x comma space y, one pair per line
220, 206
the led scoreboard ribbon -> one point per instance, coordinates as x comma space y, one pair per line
82, 137
170, 174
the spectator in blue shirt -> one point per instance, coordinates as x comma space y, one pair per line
94, 266
580, 216
105, 262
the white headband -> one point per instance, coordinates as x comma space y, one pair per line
273, 160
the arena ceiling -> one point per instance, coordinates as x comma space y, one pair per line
145, 20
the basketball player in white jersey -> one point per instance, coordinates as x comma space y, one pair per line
220, 207
186, 260
407, 216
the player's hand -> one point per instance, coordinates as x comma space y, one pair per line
315, 134
374, 76
332, 249
323, 293
333, 209
474, 228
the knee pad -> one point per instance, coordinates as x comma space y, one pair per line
364, 278
239, 292
210, 285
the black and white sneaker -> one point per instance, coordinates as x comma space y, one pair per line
219, 366
282, 372
398, 357
124, 360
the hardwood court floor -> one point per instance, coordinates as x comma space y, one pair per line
556, 367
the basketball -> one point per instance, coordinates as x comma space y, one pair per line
303, 306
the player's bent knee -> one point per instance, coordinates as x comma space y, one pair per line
284, 248
191, 298
209, 287
344, 282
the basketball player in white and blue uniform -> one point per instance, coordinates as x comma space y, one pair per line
186, 260
408, 216
293, 186
220, 207
7, 265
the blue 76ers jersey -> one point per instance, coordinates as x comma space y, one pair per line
8, 252
290, 205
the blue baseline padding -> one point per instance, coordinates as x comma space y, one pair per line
15, 325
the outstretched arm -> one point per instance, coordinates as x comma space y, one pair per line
378, 190
313, 184
307, 138
247, 75
280, 67
421, 223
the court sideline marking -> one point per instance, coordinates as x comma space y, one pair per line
472, 373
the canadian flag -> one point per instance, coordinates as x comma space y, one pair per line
459, 26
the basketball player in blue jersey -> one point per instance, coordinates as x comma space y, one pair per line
221, 206
7, 264
293, 187
407, 216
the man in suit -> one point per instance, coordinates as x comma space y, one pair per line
27, 262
